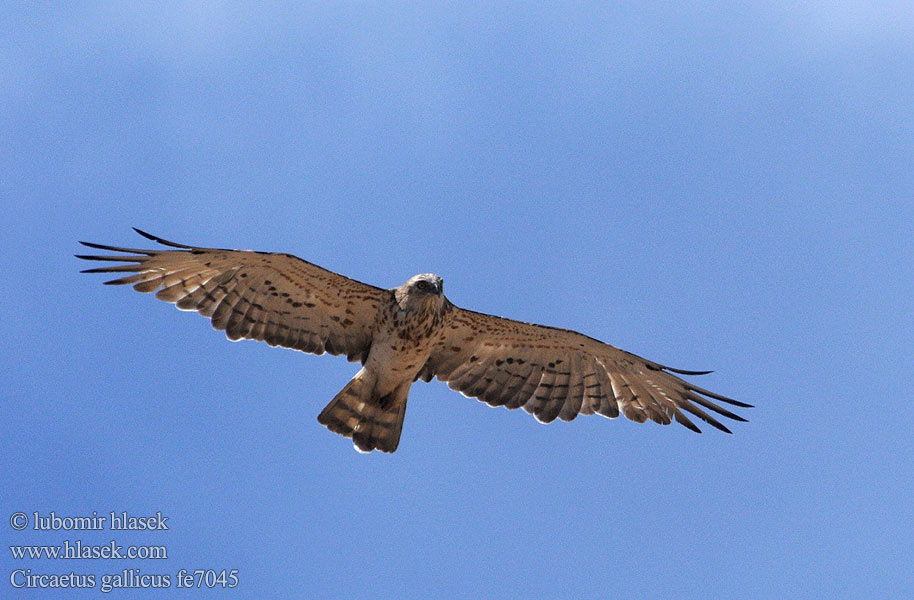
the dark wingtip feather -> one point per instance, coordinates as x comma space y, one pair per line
115, 249
695, 388
659, 367
711, 406
684, 372
731, 401
686, 422
134, 268
148, 236
110, 258
96, 246
159, 240
718, 425
698, 412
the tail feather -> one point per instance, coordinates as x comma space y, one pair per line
373, 423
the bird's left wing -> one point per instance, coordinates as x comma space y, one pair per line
271, 297
553, 372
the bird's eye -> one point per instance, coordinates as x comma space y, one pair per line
422, 285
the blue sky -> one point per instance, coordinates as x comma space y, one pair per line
708, 185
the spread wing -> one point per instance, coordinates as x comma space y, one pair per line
552, 372
271, 297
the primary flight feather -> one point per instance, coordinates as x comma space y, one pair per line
407, 333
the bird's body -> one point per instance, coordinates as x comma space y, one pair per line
407, 333
371, 408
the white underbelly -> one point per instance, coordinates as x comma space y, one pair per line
393, 361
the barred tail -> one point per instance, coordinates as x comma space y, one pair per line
372, 422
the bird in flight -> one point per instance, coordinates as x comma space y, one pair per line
407, 333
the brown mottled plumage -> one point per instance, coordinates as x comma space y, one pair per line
408, 333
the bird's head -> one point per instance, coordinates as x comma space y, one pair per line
420, 291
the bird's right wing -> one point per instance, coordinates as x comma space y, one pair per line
271, 297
